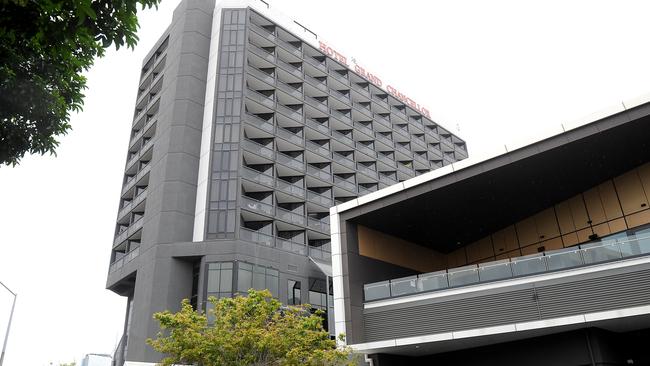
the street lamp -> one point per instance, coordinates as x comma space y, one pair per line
11, 315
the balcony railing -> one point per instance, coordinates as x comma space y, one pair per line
290, 216
124, 260
319, 173
256, 176
586, 254
319, 198
316, 103
315, 82
386, 160
256, 237
318, 126
289, 90
340, 77
257, 206
341, 117
290, 161
265, 33
320, 253
293, 70
258, 149
343, 138
260, 98
290, 188
382, 121
343, 160
260, 123
289, 47
386, 179
317, 64
290, 136
318, 225
342, 183
290, 246
318, 149
261, 53
261, 75
296, 116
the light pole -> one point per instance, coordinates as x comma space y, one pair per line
11, 315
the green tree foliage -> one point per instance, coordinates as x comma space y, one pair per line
247, 330
45, 45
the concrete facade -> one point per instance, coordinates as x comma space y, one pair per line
245, 133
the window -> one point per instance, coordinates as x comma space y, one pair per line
257, 277
293, 294
220, 279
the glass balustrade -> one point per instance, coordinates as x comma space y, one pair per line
256, 176
256, 237
290, 246
290, 188
622, 246
290, 216
290, 161
256, 206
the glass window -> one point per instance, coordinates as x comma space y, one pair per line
257, 277
293, 294
219, 279
244, 277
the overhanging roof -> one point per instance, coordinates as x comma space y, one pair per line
462, 203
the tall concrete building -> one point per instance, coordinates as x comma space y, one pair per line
247, 129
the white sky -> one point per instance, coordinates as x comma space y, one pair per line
499, 70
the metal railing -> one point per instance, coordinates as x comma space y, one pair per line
257, 176
585, 254
257, 206
256, 237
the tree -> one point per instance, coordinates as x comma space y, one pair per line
247, 330
45, 46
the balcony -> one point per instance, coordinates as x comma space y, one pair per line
347, 140
258, 149
322, 226
319, 199
293, 70
345, 99
336, 75
290, 188
382, 121
290, 246
321, 106
133, 228
118, 264
260, 123
341, 117
254, 205
261, 53
260, 98
290, 216
289, 90
134, 203
387, 179
343, 160
318, 126
256, 237
321, 174
258, 177
364, 109
264, 33
405, 169
317, 64
136, 179
345, 184
320, 253
289, 47
558, 260
290, 136
367, 171
294, 115
386, 160
359, 127
290, 162
318, 149
365, 149
261, 75
316, 83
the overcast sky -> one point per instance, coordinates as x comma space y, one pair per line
490, 71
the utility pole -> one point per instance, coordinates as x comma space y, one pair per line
11, 315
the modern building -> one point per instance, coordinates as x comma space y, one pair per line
539, 255
247, 129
